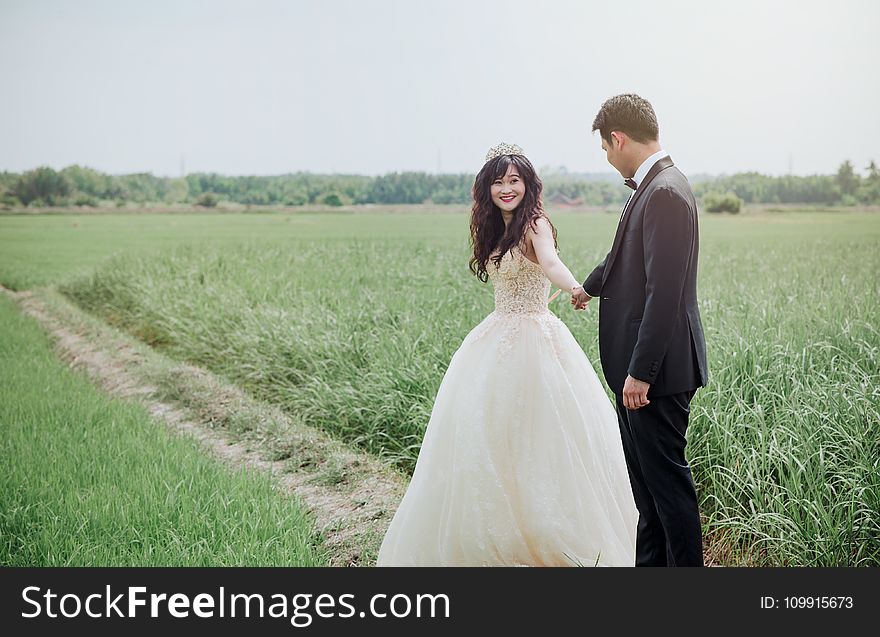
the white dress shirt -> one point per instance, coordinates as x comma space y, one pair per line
647, 165
640, 176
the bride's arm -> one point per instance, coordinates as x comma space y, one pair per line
554, 268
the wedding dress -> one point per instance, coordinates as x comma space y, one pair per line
522, 462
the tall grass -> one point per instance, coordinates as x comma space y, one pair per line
786, 438
343, 334
91, 481
355, 334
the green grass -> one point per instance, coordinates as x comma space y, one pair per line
91, 481
349, 321
37, 250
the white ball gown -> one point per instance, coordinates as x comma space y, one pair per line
522, 462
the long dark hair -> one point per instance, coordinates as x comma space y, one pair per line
487, 225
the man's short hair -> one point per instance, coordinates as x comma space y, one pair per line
630, 114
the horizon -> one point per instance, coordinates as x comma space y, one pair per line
542, 170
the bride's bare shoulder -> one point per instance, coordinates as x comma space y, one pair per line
540, 227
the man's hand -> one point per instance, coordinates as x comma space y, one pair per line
579, 297
635, 393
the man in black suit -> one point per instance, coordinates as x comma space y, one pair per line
650, 336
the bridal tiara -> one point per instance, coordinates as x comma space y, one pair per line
504, 149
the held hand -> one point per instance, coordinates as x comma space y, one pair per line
579, 298
635, 393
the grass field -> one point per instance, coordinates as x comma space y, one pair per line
43, 249
89, 481
350, 321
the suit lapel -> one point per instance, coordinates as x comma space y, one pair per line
662, 164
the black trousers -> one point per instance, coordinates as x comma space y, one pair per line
669, 532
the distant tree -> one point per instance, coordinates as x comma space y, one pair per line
177, 190
444, 196
86, 180
83, 199
332, 199
756, 188
869, 188
8, 201
82, 185
207, 200
42, 186
847, 179
296, 198
255, 198
727, 202
401, 188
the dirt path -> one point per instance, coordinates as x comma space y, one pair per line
350, 495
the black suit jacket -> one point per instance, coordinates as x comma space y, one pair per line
649, 323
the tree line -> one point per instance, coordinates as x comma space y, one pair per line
81, 186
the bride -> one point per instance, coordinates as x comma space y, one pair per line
522, 462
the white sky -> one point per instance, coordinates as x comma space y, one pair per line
268, 87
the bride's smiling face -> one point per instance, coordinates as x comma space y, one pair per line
508, 191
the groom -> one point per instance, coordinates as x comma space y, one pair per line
650, 336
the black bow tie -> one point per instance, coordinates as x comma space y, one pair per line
631, 183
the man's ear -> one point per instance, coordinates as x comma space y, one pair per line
618, 139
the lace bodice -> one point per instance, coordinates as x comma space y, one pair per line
520, 284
